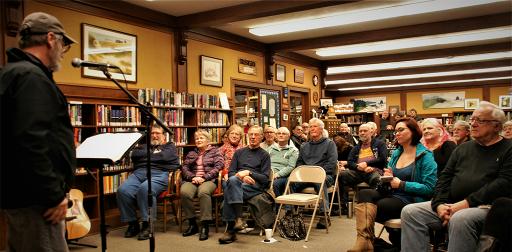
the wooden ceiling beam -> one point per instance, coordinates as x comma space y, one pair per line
425, 79
422, 70
252, 10
439, 53
410, 31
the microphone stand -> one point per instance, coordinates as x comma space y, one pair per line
148, 118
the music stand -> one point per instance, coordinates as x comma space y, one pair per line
101, 151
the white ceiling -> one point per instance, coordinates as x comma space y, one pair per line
241, 28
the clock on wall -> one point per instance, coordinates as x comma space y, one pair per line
315, 80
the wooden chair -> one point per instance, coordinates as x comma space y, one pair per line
303, 174
217, 197
171, 197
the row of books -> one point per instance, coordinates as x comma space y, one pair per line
171, 117
217, 134
355, 118
213, 118
180, 136
112, 183
169, 98
108, 115
75, 114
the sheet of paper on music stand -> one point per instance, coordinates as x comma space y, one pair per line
224, 103
107, 146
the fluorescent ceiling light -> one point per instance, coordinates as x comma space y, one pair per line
393, 10
419, 63
417, 42
422, 84
411, 76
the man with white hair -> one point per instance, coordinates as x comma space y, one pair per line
283, 158
320, 151
345, 132
461, 132
477, 173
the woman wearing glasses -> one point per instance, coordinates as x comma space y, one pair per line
437, 139
413, 177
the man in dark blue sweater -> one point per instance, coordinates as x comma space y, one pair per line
477, 173
249, 174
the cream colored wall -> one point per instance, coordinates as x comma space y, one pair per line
392, 99
308, 80
230, 62
154, 48
495, 93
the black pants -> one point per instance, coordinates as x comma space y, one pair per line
498, 223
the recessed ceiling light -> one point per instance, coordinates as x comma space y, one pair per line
422, 84
393, 10
418, 42
419, 63
411, 76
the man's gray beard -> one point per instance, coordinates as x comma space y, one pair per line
155, 142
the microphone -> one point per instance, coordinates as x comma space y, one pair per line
76, 62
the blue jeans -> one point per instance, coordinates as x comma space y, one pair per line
133, 193
329, 180
279, 185
236, 192
464, 227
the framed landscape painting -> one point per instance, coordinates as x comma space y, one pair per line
211, 71
471, 103
111, 47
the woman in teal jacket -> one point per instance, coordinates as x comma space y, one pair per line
411, 177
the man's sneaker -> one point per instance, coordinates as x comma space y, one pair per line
227, 238
144, 233
133, 229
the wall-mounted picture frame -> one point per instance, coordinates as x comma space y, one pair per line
246, 66
280, 73
393, 110
211, 71
471, 103
111, 47
326, 102
505, 101
298, 76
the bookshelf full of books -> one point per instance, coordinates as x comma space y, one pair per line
183, 113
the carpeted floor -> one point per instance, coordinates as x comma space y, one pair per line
341, 237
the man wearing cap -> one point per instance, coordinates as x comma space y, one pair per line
37, 153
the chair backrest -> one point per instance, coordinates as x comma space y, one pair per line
307, 173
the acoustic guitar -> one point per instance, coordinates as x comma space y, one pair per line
77, 221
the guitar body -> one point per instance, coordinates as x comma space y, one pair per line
79, 225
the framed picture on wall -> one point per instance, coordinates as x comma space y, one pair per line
471, 103
280, 73
298, 76
393, 110
505, 101
109, 47
211, 71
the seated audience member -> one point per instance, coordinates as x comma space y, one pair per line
305, 130
296, 137
322, 152
283, 158
248, 176
478, 172
437, 139
342, 147
366, 160
270, 137
234, 142
346, 133
497, 232
507, 130
199, 173
134, 191
414, 114
384, 120
414, 177
461, 132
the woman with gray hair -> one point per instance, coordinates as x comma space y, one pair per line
199, 171
461, 132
